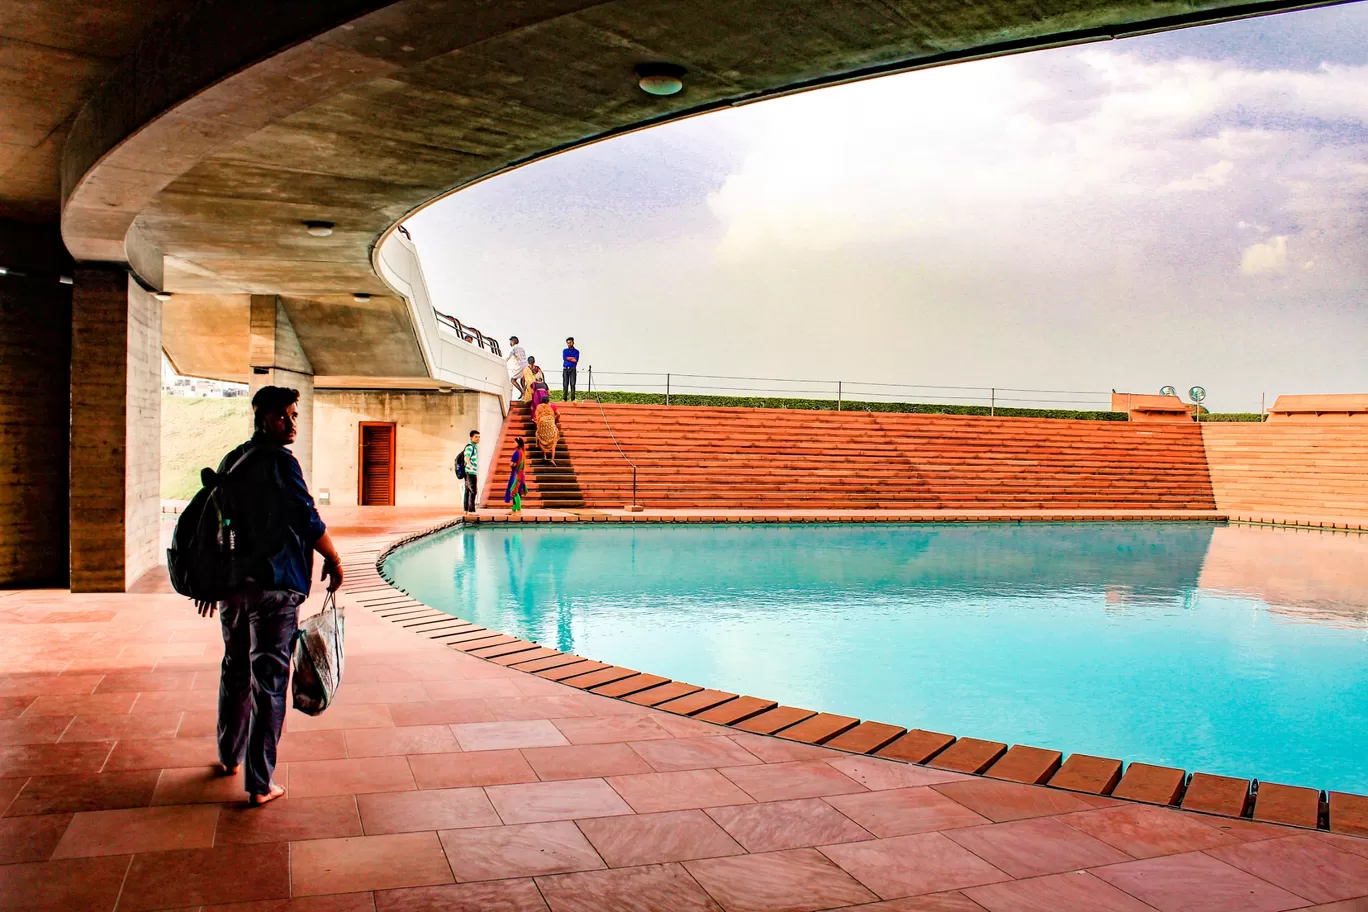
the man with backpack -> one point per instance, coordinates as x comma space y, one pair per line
468, 469
274, 515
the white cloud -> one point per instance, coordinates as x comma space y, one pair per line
1267, 257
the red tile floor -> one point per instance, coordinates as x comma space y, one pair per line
441, 781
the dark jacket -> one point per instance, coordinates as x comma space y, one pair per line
284, 524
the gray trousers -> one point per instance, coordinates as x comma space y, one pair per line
258, 637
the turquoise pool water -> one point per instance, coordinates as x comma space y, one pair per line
1235, 650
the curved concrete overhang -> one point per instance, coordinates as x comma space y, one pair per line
232, 125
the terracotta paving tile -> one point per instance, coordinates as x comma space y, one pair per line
177, 701
430, 809
521, 708
1031, 848
1222, 795
361, 715
354, 863
135, 830
777, 750
627, 686
288, 819
773, 720
478, 736
202, 724
161, 753
30, 838
1150, 784
81, 704
952, 901
603, 730
1287, 804
538, 802
507, 649
594, 679
901, 812
88, 792
555, 661
197, 877
867, 737
916, 746
316, 745
523, 657
1057, 893
495, 853
1303, 865
464, 770
663, 694
795, 779
638, 839
33, 730
561, 672
585, 761
799, 880
381, 692
696, 702
1000, 801
314, 778
145, 681
75, 885
1348, 814
968, 755
778, 825
1031, 765
908, 865
440, 712
471, 689
1197, 883
52, 759
693, 753
36, 685
478, 641
411, 739
1145, 832
652, 888
13, 707
495, 896
685, 727
142, 727
876, 774
734, 711
1085, 773
819, 728
677, 791
332, 902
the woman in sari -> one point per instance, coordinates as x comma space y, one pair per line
530, 375
517, 476
548, 431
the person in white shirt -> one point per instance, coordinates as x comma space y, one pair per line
517, 363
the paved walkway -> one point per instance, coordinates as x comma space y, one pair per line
441, 781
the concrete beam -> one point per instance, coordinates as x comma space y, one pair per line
277, 359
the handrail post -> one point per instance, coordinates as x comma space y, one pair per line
667, 402
838, 395
992, 402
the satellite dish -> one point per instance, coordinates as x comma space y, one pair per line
1167, 391
1197, 394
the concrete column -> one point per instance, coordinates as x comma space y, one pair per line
115, 506
277, 359
35, 372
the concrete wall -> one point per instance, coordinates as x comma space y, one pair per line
35, 353
277, 359
432, 427
115, 430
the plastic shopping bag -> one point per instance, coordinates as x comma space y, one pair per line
318, 659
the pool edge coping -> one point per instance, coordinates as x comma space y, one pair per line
1340, 813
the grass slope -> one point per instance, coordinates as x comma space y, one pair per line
196, 433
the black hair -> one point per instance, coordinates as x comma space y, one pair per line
474, 432
270, 399
569, 338
512, 338
531, 359
519, 441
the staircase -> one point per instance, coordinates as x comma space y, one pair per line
1291, 469
733, 458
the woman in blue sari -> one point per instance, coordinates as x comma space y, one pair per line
517, 476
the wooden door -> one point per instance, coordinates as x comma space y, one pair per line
376, 485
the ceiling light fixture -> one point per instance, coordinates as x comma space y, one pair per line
162, 295
319, 229
361, 297
660, 79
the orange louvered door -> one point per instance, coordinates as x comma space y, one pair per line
377, 465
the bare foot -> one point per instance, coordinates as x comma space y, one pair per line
258, 800
224, 769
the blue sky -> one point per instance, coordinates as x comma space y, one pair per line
1185, 208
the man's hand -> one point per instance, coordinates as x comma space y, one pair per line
206, 607
332, 572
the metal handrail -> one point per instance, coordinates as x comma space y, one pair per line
613, 437
468, 333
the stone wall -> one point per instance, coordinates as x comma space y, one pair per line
431, 428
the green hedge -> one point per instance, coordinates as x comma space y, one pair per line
829, 405
1254, 417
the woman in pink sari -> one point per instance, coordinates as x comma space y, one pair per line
517, 476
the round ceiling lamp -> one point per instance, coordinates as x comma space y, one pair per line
660, 79
361, 297
319, 229
162, 295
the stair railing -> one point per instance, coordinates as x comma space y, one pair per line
632, 507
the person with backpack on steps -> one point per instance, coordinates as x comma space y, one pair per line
468, 469
281, 529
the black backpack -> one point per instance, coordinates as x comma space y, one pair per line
460, 464
212, 549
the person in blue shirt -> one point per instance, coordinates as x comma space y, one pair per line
259, 622
569, 367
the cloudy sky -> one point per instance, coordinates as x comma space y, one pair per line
1187, 208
